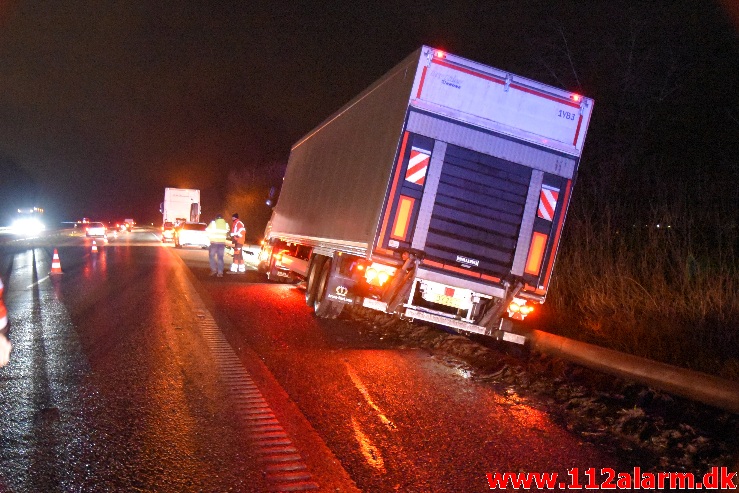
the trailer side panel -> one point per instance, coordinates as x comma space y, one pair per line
337, 176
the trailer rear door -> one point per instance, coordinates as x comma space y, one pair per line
480, 205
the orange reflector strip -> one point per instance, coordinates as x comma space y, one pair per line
386, 219
402, 218
536, 253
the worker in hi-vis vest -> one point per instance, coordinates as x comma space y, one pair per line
217, 234
238, 235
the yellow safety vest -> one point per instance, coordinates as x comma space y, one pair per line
217, 230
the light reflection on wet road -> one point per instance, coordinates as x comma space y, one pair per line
108, 388
398, 419
35, 393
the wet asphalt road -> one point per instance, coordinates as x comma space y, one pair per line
108, 388
397, 419
121, 381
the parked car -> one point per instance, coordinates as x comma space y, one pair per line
96, 230
167, 231
191, 234
111, 228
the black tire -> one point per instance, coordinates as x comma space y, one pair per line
322, 306
311, 279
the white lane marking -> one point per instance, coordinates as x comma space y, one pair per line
365, 393
37, 282
369, 450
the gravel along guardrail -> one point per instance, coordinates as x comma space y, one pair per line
656, 429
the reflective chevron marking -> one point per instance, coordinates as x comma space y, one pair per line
548, 202
418, 164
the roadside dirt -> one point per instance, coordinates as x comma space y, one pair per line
650, 428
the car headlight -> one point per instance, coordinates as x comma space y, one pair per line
27, 226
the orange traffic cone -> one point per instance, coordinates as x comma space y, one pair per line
56, 266
94, 247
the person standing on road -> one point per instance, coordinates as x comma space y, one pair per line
238, 235
217, 233
5, 345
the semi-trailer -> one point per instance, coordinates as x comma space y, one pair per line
438, 194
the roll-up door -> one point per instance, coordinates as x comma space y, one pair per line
478, 211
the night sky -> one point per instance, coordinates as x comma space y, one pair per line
104, 104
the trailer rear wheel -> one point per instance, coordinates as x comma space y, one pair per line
311, 280
324, 307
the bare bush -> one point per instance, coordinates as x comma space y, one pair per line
652, 290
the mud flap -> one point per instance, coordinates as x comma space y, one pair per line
400, 288
505, 333
275, 274
492, 319
339, 289
324, 306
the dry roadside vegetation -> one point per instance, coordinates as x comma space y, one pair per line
649, 259
667, 290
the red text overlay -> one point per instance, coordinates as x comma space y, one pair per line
718, 478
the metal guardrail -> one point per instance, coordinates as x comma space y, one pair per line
701, 387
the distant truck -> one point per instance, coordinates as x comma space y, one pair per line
180, 205
437, 194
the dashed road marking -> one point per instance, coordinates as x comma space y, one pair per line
37, 282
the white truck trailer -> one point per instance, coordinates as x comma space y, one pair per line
180, 204
438, 194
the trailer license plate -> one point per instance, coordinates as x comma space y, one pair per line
445, 300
